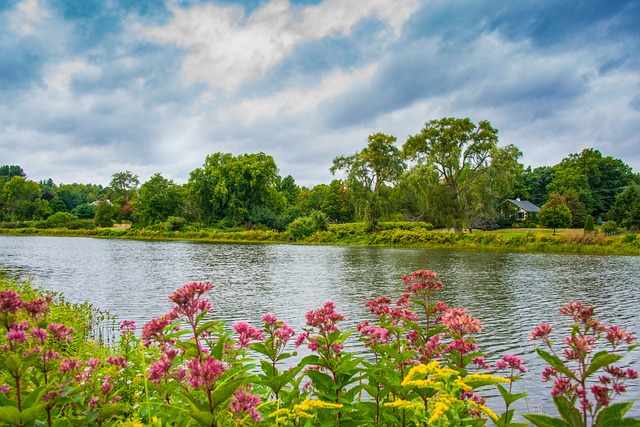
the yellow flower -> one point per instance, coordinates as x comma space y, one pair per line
400, 404
484, 410
486, 377
439, 410
309, 404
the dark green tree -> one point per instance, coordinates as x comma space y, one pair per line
626, 208
555, 213
104, 213
473, 172
230, 187
17, 195
578, 211
368, 171
158, 199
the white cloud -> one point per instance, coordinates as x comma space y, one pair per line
298, 100
227, 49
26, 15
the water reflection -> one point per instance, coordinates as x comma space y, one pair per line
510, 293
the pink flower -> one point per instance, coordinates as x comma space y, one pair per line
16, 336
154, 329
616, 335
420, 281
512, 362
39, 335
9, 301
205, 373
324, 318
270, 319
61, 331
245, 403
4, 388
561, 386
187, 299
373, 334
36, 308
460, 323
127, 326
247, 333
301, 338
541, 331
117, 361
70, 364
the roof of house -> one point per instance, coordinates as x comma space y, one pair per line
524, 205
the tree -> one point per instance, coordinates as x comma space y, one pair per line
231, 188
626, 208
578, 211
555, 213
17, 194
9, 171
473, 173
104, 213
158, 199
368, 171
124, 187
588, 224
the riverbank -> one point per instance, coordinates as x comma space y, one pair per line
401, 234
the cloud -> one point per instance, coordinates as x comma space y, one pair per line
227, 48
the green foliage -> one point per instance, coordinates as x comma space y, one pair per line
60, 220
626, 208
555, 213
588, 223
84, 211
104, 212
228, 187
175, 223
367, 173
610, 226
472, 172
158, 199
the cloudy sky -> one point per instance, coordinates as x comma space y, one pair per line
93, 87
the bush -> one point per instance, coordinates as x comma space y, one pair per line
588, 223
610, 226
175, 223
301, 228
59, 220
320, 220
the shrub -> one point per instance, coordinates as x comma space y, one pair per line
610, 226
175, 223
588, 223
59, 220
301, 228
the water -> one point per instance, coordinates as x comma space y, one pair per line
509, 293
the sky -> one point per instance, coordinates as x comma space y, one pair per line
89, 88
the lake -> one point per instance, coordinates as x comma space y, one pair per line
509, 292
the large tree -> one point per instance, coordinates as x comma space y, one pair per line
232, 188
158, 199
473, 172
626, 208
17, 194
368, 171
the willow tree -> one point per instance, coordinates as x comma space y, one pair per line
473, 172
368, 171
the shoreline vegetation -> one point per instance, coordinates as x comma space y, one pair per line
389, 234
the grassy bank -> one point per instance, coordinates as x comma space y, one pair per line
393, 234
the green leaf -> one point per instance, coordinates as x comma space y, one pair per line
625, 422
225, 391
32, 413
613, 412
545, 421
203, 418
33, 397
555, 362
10, 415
321, 381
509, 398
600, 361
568, 412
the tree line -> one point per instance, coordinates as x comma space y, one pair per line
451, 174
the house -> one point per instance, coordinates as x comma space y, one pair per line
518, 210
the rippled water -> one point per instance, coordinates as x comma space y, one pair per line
509, 293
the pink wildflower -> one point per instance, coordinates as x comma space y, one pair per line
187, 299
127, 326
70, 364
541, 331
512, 362
36, 308
117, 361
61, 331
372, 334
39, 335
617, 335
324, 318
16, 336
561, 386
154, 329
420, 281
4, 388
9, 301
270, 319
460, 323
205, 373
301, 338
93, 402
247, 333
245, 403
